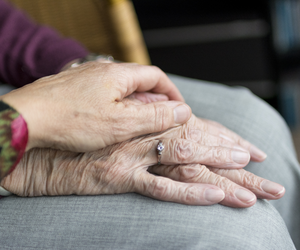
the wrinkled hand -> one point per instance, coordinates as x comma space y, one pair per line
124, 167
205, 132
82, 109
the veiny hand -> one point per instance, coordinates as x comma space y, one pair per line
124, 167
82, 109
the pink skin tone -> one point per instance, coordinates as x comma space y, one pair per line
202, 164
82, 109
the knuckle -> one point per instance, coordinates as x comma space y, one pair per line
159, 188
248, 179
191, 194
182, 150
194, 172
219, 155
187, 172
225, 184
220, 181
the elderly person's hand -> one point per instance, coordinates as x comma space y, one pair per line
82, 109
124, 167
204, 131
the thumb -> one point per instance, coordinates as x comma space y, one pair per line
156, 116
181, 113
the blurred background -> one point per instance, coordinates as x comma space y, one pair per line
254, 43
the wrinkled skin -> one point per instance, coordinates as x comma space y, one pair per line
197, 169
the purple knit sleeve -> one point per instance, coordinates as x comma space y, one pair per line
29, 51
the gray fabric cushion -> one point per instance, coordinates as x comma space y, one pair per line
131, 221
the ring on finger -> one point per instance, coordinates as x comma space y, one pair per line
160, 148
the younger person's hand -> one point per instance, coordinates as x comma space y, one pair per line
82, 109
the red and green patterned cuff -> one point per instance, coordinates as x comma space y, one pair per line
13, 138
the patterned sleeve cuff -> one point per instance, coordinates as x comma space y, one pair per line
13, 139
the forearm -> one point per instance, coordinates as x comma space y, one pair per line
29, 51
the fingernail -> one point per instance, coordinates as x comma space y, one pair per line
214, 195
244, 196
181, 114
257, 153
240, 157
272, 187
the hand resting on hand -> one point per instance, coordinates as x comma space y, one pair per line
198, 168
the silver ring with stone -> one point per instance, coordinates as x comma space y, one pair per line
160, 148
